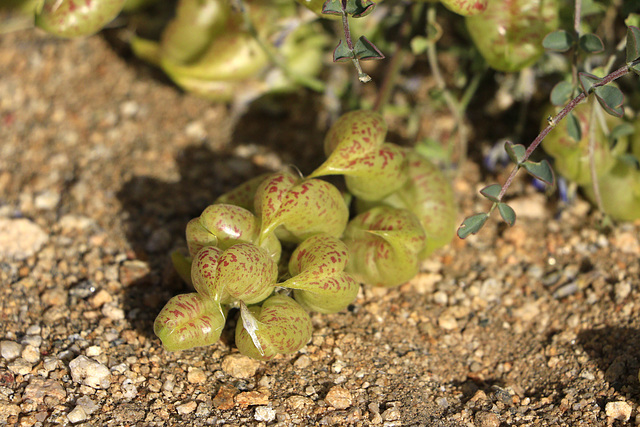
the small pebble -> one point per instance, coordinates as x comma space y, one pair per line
20, 238
224, 399
38, 388
487, 419
77, 415
249, 398
447, 322
93, 351
47, 200
196, 376
302, 362
298, 402
186, 408
264, 413
31, 354
10, 350
87, 405
240, 366
20, 366
101, 298
339, 398
618, 411
89, 372
391, 414
112, 312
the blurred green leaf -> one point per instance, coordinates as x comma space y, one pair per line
559, 41
633, 43
472, 224
587, 81
515, 151
507, 213
342, 53
591, 43
632, 20
561, 93
492, 192
621, 130
541, 170
365, 50
573, 127
611, 99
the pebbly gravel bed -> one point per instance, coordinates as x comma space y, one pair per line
102, 163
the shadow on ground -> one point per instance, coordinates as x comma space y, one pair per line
616, 350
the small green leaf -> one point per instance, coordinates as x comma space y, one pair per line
342, 53
365, 50
611, 99
515, 152
559, 41
541, 170
360, 8
573, 127
587, 81
507, 213
633, 43
591, 43
631, 160
472, 224
621, 130
420, 44
561, 93
492, 192
332, 7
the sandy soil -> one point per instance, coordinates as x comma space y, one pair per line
102, 163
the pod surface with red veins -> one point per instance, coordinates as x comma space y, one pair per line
244, 272
318, 278
297, 209
429, 195
353, 135
466, 7
76, 18
224, 225
384, 245
189, 320
509, 33
281, 326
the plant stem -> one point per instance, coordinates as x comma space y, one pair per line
553, 122
592, 157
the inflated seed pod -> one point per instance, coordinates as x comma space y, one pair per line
318, 277
189, 320
428, 194
297, 209
619, 191
224, 225
384, 245
75, 18
244, 272
356, 149
279, 326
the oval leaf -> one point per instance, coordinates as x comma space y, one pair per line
559, 41
472, 224
492, 192
573, 127
587, 81
515, 152
633, 43
591, 43
561, 93
611, 99
507, 213
541, 170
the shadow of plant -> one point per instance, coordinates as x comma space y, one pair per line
616, 350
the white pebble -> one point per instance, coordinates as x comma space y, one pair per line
20, 238
112, 312
264, 413
618, 410
31, 354
10, 349
77, 415
129, 391
88, 372
94, 350
47, 200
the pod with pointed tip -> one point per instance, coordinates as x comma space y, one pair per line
278, 326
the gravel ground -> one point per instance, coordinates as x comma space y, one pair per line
102, 162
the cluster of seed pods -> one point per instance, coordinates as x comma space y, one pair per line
404, 208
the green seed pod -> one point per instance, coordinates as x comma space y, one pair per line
223, 226
301, 208
244, 194
619, 191
244, 272
428, 194
509, 33
279, 326
75, 18
384, 244
189, 320
466, 7
318, 277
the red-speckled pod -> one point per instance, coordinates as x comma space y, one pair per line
223, 225
244, 272
428, 194
189, 320
244, 194
466, 7
75, 18
318, 277
384, 244
279, 326
301, 208
354, 135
